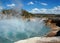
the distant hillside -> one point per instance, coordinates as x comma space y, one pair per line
26, 14
10, 11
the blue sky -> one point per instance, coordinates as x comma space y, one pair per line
33, 6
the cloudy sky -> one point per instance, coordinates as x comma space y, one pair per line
33, 6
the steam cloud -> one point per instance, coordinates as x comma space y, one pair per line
15, 28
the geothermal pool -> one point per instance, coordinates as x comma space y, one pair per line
12, 30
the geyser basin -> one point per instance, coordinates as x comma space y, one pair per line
19, 29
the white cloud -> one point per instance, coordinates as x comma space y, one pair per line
35, 10
10, 5
44, 4
54, 10
30, 3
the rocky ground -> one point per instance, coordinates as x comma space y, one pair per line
54, 25
41, 40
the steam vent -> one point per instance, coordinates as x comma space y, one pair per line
29, 21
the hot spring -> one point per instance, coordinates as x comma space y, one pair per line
15, 29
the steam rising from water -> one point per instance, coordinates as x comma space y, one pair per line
18, 29
15, 28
